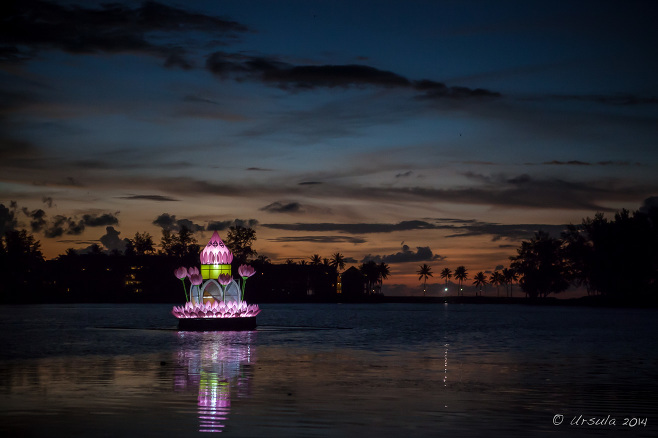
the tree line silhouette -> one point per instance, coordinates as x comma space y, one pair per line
614, 258
142, 273
506, 277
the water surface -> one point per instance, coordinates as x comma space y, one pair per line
329, 370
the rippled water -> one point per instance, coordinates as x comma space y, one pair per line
385, 370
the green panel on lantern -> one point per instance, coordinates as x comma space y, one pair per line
213, 271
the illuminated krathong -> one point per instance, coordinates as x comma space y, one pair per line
216, 309
214, 293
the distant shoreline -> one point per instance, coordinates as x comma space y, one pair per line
586, 301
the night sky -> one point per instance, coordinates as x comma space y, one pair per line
438, 132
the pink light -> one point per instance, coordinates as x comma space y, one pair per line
215, 252
180, 273
246, 271
216, 309
225, 279
196, 279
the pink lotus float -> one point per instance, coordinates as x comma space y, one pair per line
215, 301
217, 309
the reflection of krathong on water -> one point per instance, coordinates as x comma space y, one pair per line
217, 366
216, 300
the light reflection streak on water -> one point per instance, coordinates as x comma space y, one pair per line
215, 364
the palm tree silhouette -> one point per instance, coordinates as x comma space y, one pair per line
384, 272
497, 279
424, 273
480, 280
337, 261
461, 275
510, 277
446, 274
370, 272
316, 259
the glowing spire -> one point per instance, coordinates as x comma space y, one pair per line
215, 252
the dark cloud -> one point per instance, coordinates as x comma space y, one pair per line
310, 183
33, 25
437, 90
158, 198
524, 191
404, 174
586, 163
112, 241
422, 254
168, 221
616, 100
312, 76
48, 201
279, 207
306, 77
571, 163
319, 239
93, 220
359, 228
455, 228
225, 225
260, 169
59, 225
8, 220
649, 205
37, 219
287, 76
507, 231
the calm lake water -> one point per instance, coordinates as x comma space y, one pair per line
326, 370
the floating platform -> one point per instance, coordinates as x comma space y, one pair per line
216, 324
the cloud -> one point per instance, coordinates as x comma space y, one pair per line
48, 201
319, 239
279, 207
112, 241
225, 225
288, 76
169, 222
609, 99
358, 228
8, 220
259, 169
37, 219
422, 254
455, 227
649, 205
307, 77
585, 163
93, 220
522, 191
30, 26
158, 198
60, 225
505, 231
438, 90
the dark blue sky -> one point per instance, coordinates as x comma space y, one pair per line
438, 132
